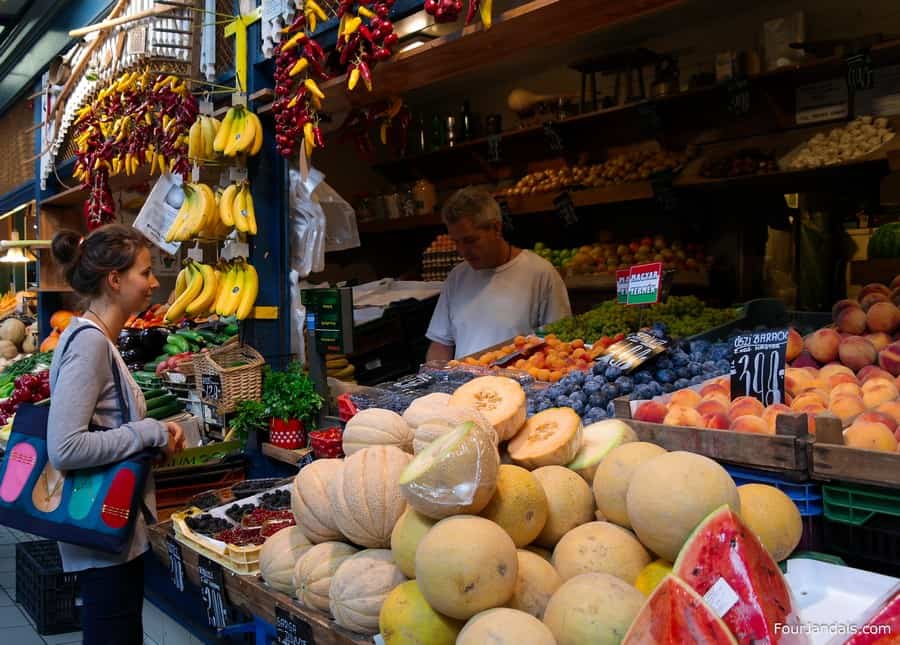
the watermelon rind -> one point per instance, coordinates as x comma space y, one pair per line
642, 630
753, 618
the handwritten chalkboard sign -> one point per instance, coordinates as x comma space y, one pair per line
738, 92
635, 350
212, 592
757, 365
565, 207
859, 71
493, 142
553, 138
291, 629
506, 215
176, 562
211, 386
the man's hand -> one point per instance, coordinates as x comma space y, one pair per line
176, 439
439, 352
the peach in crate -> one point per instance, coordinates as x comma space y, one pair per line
842, 305
750, 423
770, 415
851, 321
680, 415
877, 391
745, 405
872, 371
794, 344
651, 412
826, 373
846, 408
889, 359
883, 317
878, 417
712, 406
870, 436
686, 397
823, 345
716, 421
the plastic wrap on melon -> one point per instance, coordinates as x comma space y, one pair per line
456, 473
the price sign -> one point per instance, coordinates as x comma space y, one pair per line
644, 282
506, 214
211, 386
757, 365
552, 138
859, 71
566, 209
493, 142
176, 562
738, 96
291, 629
635, 350
622, 286
661, 182
212, 592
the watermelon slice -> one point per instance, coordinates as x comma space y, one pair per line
883, 628
675, 614
750, 593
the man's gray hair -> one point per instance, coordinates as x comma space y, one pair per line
473, 202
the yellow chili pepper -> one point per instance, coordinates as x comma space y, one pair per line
353, 79
311, 4
299, 66
313, 87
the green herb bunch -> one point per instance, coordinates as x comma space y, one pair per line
290, 394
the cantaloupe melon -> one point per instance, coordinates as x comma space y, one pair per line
13, 330
519, 505
599, 440
600, 547
773, 516
614, 474
466, 564
456, 473
366, 495
376, 427
425, 407
407, 619
499, 398
505, 627
408, 532
536, 583
569, 503
279, 554
550, 438
311, 503
594, 608
451, 417
359, 588
314, 570
671, 494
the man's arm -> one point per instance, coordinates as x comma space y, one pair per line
439, 352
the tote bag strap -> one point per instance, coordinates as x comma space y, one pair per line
117, 378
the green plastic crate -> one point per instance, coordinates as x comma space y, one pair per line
856, 505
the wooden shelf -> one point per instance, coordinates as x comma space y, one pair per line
55, 290
540, 23
683, 279
70, 197
880, 270
402, 224
290, 457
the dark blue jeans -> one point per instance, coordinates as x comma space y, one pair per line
113, 603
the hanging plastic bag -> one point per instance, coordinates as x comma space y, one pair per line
340, 219
298, 319
307, 224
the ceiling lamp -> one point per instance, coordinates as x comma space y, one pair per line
17, 254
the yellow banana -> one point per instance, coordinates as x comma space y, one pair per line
181, 282
250, 291
233, 297
257, 136
195, 285
237, 134
239, 210
208, 135
224, 132
226, 205
250, 211
195, 214
224, 287
207, 295
246, 137
180, 218
209, 205
195, 141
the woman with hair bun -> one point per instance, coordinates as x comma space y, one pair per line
110, 270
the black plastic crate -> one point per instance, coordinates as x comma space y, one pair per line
875, 545
769, 313
47, 593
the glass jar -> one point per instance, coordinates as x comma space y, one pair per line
425, 197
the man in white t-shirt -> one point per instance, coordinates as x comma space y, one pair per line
499, 292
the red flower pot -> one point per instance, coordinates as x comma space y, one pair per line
287, 433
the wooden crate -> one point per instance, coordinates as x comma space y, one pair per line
251, 595
785, 453
832, 460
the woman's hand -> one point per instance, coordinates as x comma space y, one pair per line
176, 439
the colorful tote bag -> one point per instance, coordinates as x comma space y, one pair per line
92, 507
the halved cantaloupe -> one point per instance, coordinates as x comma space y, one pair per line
599, 439
456, 473
499, 398
549, 438
450, 417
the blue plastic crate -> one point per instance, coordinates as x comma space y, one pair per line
807, 496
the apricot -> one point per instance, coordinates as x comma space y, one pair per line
847, 408
651, 412
883, 316
851, 321
687, 397
823, 345
870, 436
751, 423
856, 352
744, 406
680, 415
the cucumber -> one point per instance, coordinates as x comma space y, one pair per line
177, 341
143, 375
161, 401
190, 334
207, 334
165, 411
172, 349
231, 329
152, 393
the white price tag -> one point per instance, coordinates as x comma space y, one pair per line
235, 250
721, 597
177, 377
825, 101
237, 174
196, 254
159, 211
378, 639
205, 107
195, 173
136, 43
239, 98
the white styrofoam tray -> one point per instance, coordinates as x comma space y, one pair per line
827, 594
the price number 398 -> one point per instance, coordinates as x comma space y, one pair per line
760, 374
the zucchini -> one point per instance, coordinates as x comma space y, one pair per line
165, 411
161, 401
172, 350
143, 375
155, 392
207, 334
190, 334
175, 340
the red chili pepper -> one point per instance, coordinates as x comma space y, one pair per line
382, 53
319, 137
351, 47
297, 24
470, 14
366, 74
319, 52
390, 40
366, 33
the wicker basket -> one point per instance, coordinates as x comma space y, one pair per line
236, 384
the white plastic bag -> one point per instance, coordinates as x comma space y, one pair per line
307, 224
340, 219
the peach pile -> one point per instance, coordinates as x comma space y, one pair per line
868, 405
862, 334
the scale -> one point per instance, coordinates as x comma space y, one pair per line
329, 328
